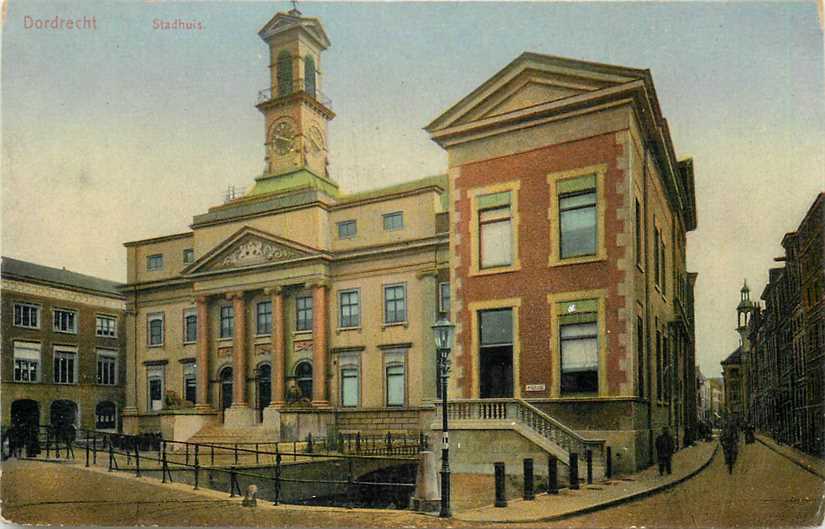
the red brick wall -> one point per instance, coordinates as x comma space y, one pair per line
536, 280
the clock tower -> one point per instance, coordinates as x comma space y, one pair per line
296, 113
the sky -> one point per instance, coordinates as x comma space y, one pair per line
125, 132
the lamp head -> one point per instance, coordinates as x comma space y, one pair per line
443, 332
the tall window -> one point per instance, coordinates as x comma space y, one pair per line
659, 365
579, 346
263, 318
303, 377
106, 367
309, 75
666, 374
638, 234
347, 229
154, 262
444, 297
284, 73
188, 255
227, 321
349, 309
154, 376
656, 255
495, 230
27, 315
155, 329
640, 355
577, 216
395, 385
303, 313
349, 386
395, 304
26, 362
393, 221
189, 382
65, 366
65, 320
496, 353
663, 273
106, 326
190, 326
105, 415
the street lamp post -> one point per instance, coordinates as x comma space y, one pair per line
443, 333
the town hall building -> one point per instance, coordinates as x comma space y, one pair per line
556, 243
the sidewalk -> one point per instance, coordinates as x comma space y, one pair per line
812, 464
686, 463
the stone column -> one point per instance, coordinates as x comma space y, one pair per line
239, 351
278, 348
319, 345
202, 394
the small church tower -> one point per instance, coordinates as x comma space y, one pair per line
296, 114
744, 312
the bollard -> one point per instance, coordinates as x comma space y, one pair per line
574, 471
608, 468
111, 457
501, 493
94, 448
528, 480
588, 456
552, 475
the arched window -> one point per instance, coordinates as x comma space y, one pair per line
303, 377
309, 75
105, 415
284, 71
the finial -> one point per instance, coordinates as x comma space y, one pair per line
294, 10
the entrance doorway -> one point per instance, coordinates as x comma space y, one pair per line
226, 388
496, 353
25, 414
264, 389
63, 417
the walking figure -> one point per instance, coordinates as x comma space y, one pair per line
730, 444
664, 451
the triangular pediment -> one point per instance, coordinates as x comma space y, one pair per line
529, 81
283, 22
250, 248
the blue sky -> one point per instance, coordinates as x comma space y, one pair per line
125, 132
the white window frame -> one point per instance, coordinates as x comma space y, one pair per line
189, 369
357, 292
406, 304
257, 320
155, 316
393, 214
56, 311
61, 351
98, 318
150, 267
349, 362
230, 316
28, 357
26, 305
186, 314
395, 358
108, 354
155, 372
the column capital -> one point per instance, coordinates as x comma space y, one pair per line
202, 298
318, 282
236, 294
276, 290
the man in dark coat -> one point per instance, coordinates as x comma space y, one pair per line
664, 451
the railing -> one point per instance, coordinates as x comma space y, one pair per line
229, 464
528, 415
298, 86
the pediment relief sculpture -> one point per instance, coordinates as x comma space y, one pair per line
254, 251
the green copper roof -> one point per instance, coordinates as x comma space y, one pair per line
300, 179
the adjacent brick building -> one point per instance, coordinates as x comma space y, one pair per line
63, 347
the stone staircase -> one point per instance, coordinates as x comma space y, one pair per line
542, 430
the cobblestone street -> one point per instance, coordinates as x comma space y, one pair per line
765, 490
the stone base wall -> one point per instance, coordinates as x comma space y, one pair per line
382, 420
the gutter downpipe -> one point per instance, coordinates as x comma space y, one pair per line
649, 373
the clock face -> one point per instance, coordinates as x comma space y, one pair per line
316, 139
282, 137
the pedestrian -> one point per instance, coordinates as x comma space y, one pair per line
664, 451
